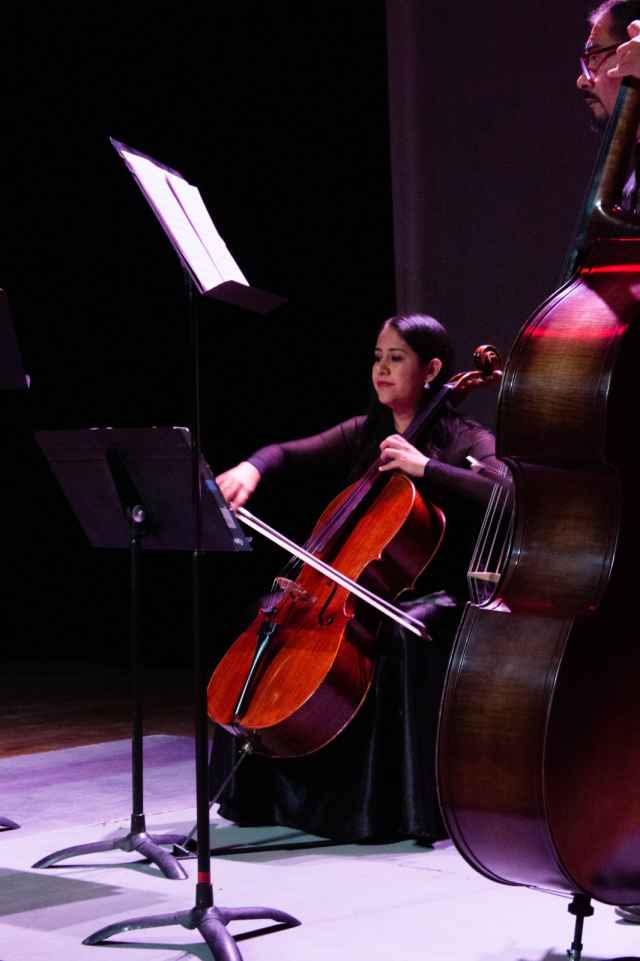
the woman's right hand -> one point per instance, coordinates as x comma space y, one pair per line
238, 483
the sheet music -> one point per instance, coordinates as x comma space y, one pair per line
192, 203
181, 210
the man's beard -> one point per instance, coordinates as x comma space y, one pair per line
597, 122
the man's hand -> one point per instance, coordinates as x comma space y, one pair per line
238, 484
398, 454
628, 54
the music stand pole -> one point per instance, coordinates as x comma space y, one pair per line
12, 377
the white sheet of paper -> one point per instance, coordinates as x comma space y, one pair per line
182, 212
192, 203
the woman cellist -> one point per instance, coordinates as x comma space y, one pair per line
375, 780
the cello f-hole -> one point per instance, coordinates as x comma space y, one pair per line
323, 618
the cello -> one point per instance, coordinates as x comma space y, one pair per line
297, 676
539, 733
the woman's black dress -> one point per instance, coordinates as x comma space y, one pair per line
376, 779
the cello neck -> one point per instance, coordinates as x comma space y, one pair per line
372, 477
601, 214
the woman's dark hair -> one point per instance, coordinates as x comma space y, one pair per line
622, 12
428, 338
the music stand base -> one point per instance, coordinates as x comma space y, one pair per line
7, 824
148, 845
210, 922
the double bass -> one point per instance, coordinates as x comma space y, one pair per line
538, 759
300, 672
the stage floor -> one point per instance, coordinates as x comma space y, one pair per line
356, 902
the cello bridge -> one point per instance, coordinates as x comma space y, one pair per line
297, 593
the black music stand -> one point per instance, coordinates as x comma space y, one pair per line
12, 377
129, 488
212, 272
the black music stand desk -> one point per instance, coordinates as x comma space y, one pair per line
130, 488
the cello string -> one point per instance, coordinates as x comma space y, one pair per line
372, 475
420, 422
401, 617
367, 482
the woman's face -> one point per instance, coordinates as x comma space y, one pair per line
398, 374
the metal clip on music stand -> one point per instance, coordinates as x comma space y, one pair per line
211, 270
12, 377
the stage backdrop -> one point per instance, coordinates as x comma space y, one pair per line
294, 120
491, 152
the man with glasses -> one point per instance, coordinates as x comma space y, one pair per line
611, 53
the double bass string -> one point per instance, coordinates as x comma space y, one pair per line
477, 564
480, 562
508, 495
487, 563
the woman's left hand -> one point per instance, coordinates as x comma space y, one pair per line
398, 454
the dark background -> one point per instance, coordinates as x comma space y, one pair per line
356, 161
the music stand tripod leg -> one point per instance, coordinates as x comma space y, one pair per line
210, 922
138, 839
7, 824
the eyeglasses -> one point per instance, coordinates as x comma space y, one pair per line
593, 58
